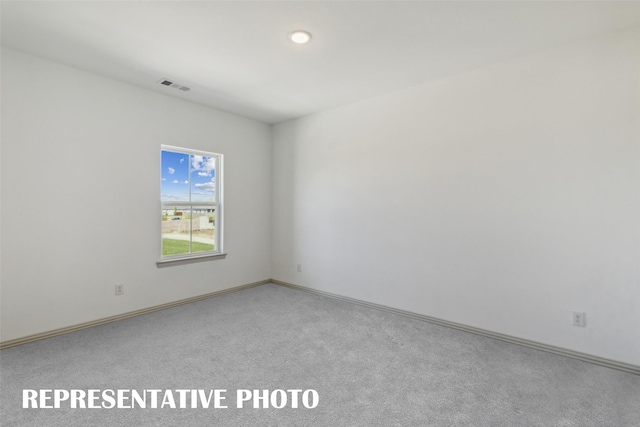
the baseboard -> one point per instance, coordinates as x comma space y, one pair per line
69, 329
614, 364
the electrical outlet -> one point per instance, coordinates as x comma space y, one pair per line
578, 318
119, 289
299, 268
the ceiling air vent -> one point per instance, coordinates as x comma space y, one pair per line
174, 85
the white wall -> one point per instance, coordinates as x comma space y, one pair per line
80, 196
503, 198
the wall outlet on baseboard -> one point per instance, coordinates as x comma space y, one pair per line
578, 318
119, 289
299, 268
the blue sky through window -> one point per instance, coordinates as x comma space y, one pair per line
176, 183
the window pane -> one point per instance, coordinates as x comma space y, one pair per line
175, 176
203, 178
175, 231
189, 200
203, 228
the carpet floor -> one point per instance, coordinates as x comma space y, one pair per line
369, 368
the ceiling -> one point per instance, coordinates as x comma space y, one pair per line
235, 55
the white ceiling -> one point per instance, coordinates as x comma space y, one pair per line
235, 55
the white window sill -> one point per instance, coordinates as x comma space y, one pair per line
166, 262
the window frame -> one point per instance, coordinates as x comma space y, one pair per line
216, 205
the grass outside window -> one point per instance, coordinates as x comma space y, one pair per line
178, 247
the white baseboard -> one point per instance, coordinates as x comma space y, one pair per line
85, 325
614, 364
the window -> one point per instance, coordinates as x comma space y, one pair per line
191, 203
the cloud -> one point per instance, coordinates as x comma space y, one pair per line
204, 174
164, 179
203, 163
185, 182
175, 181
171, 171
196, 161
182, 160
207, 186
209, 163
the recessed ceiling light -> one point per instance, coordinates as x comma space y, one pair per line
300, 37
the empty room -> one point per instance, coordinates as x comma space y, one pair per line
320, 213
